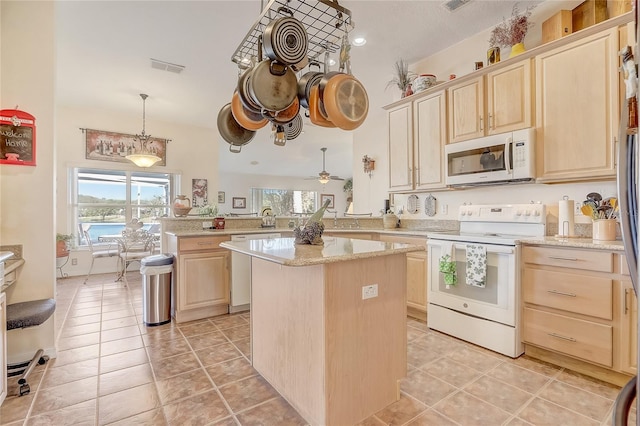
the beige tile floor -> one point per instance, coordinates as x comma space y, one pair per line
111, 369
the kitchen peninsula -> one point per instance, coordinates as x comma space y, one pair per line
328, 323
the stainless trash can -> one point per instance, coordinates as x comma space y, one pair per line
156, 273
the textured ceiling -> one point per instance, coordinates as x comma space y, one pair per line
104, 47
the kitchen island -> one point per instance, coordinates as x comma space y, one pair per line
328, 323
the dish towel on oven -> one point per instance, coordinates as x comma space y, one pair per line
476, 265
447, 263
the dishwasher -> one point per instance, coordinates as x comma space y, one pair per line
241, 273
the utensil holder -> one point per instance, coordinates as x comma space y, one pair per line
604, 230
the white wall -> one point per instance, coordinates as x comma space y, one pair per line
459, 59
192, 151
27, 216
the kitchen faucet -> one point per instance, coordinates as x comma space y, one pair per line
335, 217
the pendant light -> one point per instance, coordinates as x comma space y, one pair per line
144, 157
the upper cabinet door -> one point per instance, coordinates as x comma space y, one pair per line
429, 124
466, 110
577, 114
509, 101
400, 139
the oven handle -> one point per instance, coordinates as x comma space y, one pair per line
490, 248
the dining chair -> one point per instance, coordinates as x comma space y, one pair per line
98, 252
135, 245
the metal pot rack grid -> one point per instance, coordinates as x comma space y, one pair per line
324, 21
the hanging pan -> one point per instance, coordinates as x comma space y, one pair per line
273, 85
286, 115
308, 79
293, 128
314, 111
345, 101
248, 119
286, 41
232, 132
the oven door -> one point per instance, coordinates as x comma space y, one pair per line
497, 301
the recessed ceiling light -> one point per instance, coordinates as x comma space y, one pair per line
246, 60
254, 163
332, 61
359, 41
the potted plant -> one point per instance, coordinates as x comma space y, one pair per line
511, 32
63, 243
402, 77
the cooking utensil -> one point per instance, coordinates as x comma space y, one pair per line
232, 132
314, 111
273, 85
293, 128
285, 115
246, 118
305, 83
588, 210
278, 134
245, 95
594, 196
346, 102
286, 40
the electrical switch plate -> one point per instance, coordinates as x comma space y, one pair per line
207, 225
444, 208
74, 261
369, 291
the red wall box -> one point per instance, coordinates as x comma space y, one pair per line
17, 137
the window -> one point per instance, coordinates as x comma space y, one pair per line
105, 200
284, 202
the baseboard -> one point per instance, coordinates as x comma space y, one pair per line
26, 356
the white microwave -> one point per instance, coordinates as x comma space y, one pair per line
503, 158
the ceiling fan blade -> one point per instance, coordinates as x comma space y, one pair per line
335, 178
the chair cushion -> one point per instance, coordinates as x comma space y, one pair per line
29, 314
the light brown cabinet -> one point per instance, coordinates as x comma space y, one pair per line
416, 139
201, 282
506, 106
577, 311
577, 113
416, 275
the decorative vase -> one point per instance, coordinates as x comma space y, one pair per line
61, 249
181, 206
516, 49
493, 55
389, 221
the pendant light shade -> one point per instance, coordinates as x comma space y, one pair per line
144, 157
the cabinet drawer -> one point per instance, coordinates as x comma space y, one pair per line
402, 239
571, 292
582, 339
622, 264
569, 258
200, 243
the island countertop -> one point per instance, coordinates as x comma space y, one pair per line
335, 249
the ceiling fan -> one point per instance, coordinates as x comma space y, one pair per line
324, 175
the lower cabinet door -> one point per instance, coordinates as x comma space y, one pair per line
203, 280
417, 280
587, 340
629, 330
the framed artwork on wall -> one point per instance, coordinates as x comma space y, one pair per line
200, 192
325, 197
221, 197
239, 203
111, 146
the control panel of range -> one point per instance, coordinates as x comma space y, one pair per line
529, 213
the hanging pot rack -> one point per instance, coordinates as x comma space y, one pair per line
324, 21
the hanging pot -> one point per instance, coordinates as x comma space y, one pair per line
293, 128
273, 85
314, 112
305, 83
345, 101
286, 115
232, 132
245, 95
321, 86
285, 40
248, 119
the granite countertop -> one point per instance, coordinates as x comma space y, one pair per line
335, 249
587, 243
222, 232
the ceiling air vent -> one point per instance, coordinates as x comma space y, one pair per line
452, 5
166, 66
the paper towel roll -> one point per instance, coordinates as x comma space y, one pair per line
565, 218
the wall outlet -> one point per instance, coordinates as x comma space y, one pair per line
444, 208
578, 206
207, 225
369, 291
74, 261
